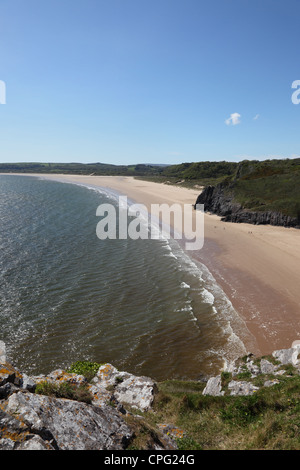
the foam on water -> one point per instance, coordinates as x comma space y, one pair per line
143, 305
211, 293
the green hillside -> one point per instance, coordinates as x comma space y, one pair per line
266, 420
79, 168
270, 185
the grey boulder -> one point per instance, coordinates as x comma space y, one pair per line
69, 425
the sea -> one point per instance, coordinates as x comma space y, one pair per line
146, 306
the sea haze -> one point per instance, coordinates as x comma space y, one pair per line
143, 305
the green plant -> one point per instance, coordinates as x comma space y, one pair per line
243, 410
86, 368
244, 375
225, 378
64, 390
187, 443
268, 419
290, 369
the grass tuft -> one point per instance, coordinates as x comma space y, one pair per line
64, 390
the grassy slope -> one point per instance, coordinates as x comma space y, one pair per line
268, 186
271, 185
268, 419
259, 186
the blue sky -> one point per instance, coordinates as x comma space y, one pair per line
139, 81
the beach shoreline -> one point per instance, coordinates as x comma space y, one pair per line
258, 267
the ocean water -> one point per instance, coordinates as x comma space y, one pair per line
143, 305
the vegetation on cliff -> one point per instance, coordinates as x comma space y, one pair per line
269, 419
254, 404
258, 186
272, 185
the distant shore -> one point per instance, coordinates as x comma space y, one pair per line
257, 266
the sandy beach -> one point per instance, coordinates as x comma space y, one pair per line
258, 267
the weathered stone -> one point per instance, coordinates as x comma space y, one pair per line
248, 366
62, 376
213, 387
2, 353
137, 392
109, 376
11, 431
7, 389
269, 383
34, 442
70, 425
101, 396
30, 442
9, 374
288, 356
241, 388
267, 367
253, 369
57, 376
7, 444
129, 389
230, 366
172, 431
36, 422
28, 383
37, 379
280, 372
284, 356
9, 422
220, 200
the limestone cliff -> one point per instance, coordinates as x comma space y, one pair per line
220, 200
108, 419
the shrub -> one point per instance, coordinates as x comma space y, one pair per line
187, 443
64, 390
86, 368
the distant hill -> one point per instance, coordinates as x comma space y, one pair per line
203, 172
80, 168
258, 186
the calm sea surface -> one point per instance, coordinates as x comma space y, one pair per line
143, 305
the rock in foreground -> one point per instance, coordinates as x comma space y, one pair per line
31, 421
66, 424
137, 392
242, 373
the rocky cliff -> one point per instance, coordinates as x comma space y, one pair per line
35, 421
250, 367
114, 402
220, 200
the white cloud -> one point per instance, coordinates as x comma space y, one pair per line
256, 117
234, 119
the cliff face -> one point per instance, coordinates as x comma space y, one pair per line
219, 200
30, 420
